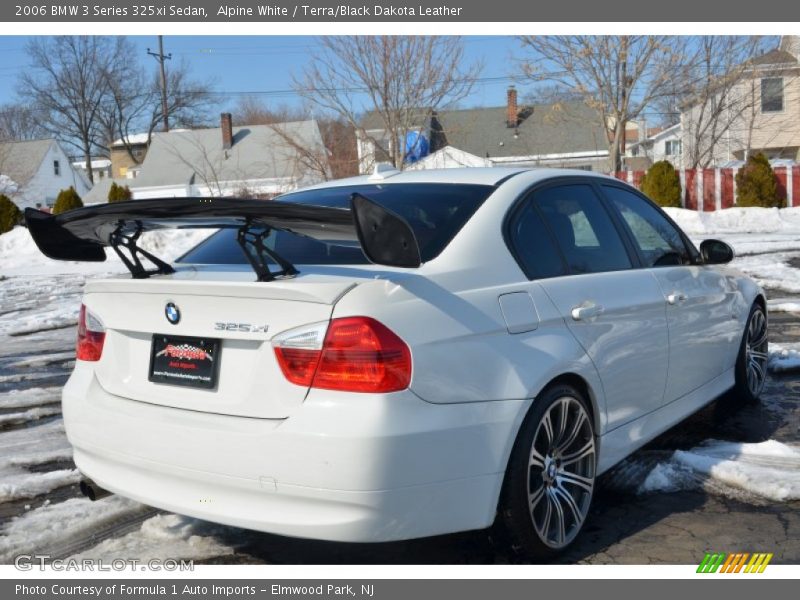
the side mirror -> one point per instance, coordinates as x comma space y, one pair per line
716, 252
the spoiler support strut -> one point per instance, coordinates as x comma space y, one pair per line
255, 250
119, 240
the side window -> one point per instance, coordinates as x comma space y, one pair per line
583, 229
534, 245
658, 240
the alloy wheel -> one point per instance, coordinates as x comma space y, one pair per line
756, 352
561, 472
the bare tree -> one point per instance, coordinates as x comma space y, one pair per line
402, 79
18, 122
67, 85
135, 105
618, 76
338, 158
714, 94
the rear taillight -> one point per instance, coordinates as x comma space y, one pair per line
356, 354
91, 335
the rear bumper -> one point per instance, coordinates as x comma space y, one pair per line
344, 467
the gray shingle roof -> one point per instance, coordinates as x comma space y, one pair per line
547, 129
258, 152
21, 160
776, 57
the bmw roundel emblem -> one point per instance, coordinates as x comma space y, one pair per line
172, 313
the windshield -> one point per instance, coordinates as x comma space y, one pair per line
435, 211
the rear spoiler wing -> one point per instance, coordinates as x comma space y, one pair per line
83, 234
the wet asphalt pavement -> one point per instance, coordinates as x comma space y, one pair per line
624, 527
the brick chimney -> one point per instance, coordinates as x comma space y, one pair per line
512, 112
226, 124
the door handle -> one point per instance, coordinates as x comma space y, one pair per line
587, 310
676, 297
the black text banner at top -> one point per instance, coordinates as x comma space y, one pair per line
194, 11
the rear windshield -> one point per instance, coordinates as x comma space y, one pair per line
436, 213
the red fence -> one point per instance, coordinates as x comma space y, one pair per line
712, 189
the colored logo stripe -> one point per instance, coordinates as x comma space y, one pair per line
734, 563
711, 562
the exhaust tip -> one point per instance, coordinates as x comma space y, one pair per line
92, 491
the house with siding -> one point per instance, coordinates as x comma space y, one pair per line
32, 173
765, 116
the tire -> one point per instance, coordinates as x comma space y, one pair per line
751, 362
548, 487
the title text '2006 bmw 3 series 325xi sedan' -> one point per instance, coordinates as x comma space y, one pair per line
399, 355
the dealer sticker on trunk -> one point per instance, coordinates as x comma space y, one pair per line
191, 362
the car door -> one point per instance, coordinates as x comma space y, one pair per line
565, 239
700, 302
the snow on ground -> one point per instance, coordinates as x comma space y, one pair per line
737, 220
20, 256
783, 357
42, 360
21, 449
783, 305
161, 537
37, 396
51, 524
25, 416
768, 470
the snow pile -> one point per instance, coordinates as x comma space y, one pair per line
737, 220
42, 528
669, 477
161, 537
7, 185
783, 357
768, 470
18, 251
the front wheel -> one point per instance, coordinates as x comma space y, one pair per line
550, 478
751, 363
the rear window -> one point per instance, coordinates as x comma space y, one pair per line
436, 213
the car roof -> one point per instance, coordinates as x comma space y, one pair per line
466, 175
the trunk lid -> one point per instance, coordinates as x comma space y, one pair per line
214, 303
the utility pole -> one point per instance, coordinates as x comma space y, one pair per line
161, 58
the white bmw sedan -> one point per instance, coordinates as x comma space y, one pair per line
400, 355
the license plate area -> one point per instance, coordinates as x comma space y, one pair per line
184, 361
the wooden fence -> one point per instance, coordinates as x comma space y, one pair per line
713, 189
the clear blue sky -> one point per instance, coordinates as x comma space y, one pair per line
265, 63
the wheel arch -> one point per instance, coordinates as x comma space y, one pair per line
570, 378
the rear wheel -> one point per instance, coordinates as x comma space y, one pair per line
548, 488
751, 363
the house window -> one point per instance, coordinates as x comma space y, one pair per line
56, 168
772, 94
672, 147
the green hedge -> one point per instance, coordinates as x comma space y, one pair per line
757, 185
10, 214
118, 193
67, 200
662, 184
